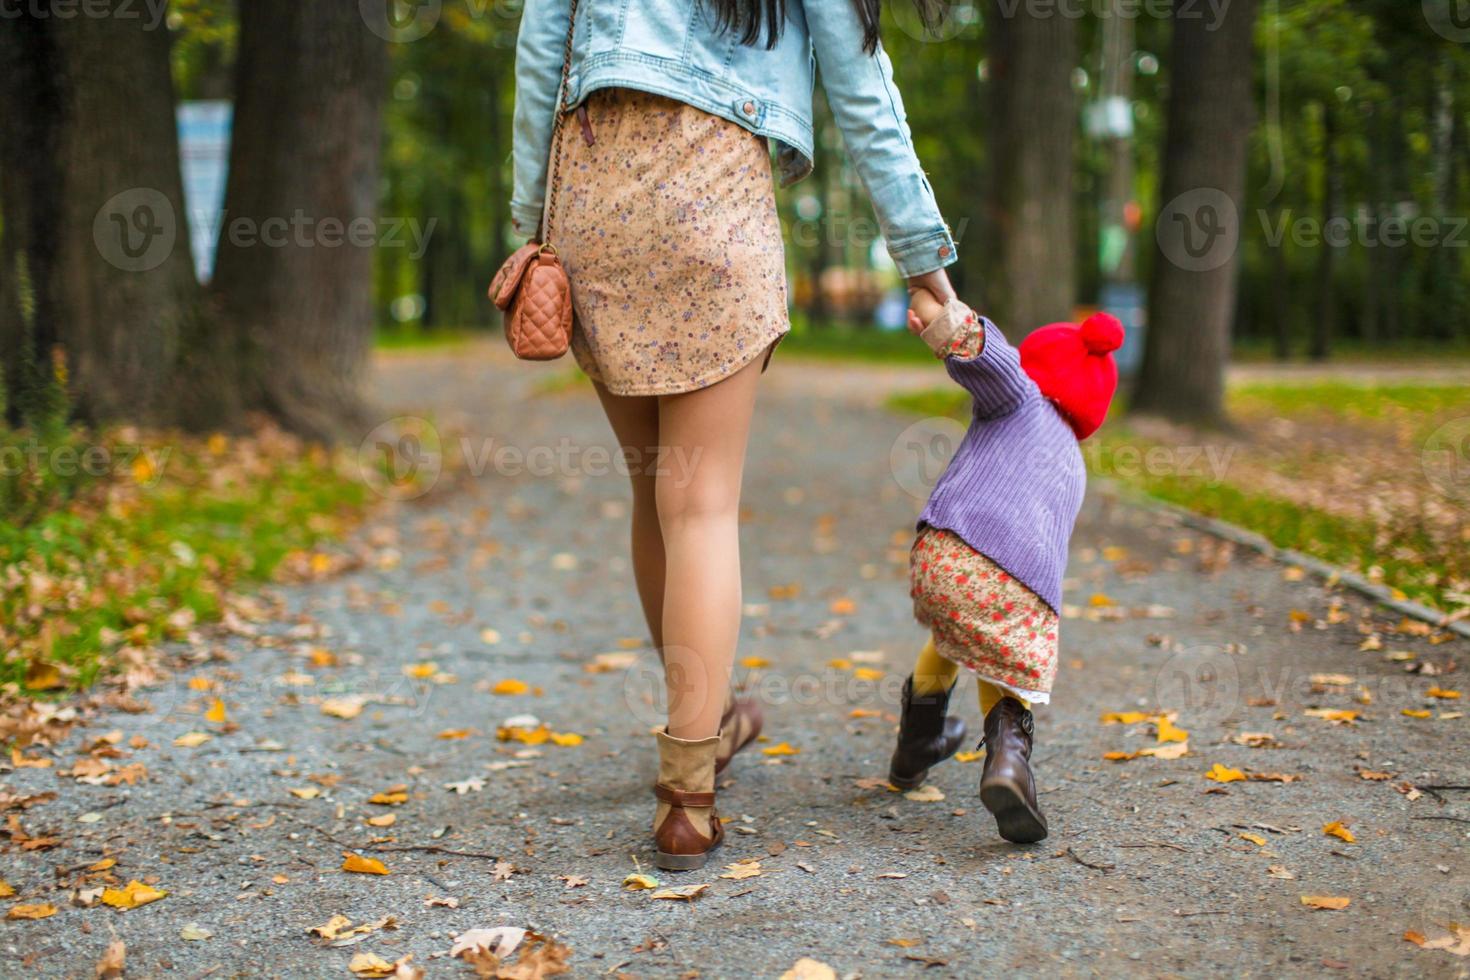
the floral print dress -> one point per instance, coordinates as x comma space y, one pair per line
666, 224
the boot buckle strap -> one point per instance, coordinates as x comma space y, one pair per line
683, 798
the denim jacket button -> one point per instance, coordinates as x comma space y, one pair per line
748, 108
944, 251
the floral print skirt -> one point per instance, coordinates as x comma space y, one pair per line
666, 224
981, 617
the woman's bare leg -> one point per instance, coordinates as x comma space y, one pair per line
635, 423
704, 435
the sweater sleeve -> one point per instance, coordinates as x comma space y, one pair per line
993, 377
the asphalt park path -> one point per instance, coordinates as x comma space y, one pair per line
503, 574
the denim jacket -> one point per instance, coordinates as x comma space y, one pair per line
674, 48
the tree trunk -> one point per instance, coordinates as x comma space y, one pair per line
1281, 309
1028, 247
294, 271
1324, 318
1192, 294
96, 247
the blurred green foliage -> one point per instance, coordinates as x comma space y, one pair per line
1370, 77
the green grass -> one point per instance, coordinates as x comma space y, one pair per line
1429, 403
1404, 552
134, 556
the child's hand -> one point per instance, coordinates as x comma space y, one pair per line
924, 306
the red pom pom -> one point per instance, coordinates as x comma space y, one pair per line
1102, 333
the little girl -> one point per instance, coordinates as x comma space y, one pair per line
986, 570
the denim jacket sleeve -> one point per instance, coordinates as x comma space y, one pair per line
869, 111
540, 49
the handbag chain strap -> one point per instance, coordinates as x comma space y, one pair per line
554, 172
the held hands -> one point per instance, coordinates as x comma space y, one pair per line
923, 308
927, 295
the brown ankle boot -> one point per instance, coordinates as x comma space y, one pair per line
685, 826
739, 727
1007, 787
927, 735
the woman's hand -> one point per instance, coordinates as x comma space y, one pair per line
936, 282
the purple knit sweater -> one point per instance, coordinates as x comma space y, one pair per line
1015, 485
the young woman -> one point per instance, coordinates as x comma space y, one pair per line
665, 220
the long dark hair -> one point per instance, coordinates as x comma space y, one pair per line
749, 18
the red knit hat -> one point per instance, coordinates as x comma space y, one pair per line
1073, 366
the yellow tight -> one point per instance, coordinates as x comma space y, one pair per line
934, 674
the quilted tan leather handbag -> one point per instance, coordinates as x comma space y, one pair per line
531, 287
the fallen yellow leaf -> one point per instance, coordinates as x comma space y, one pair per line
39, 911
754, 663
5, 890
421, 671
839, 663
450, 734
1170, 732
305, 792
510, 686
565, 738
1440, 692
191, 740
392, 796
217, 713
1224, 774
357, 864
868, 674
1333, 714
842, 607
636, 882
1417, 713
1255, 839
1124, 717
1330, 903
133, 895
969, 756
383, 820
1336, 829
782, 748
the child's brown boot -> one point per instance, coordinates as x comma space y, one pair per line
1007, 787
927, 735
685, 827
739, 727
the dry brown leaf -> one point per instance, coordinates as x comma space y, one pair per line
685, 892
345, 708
1456, 943
1330, 903
113, 961
809, 969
